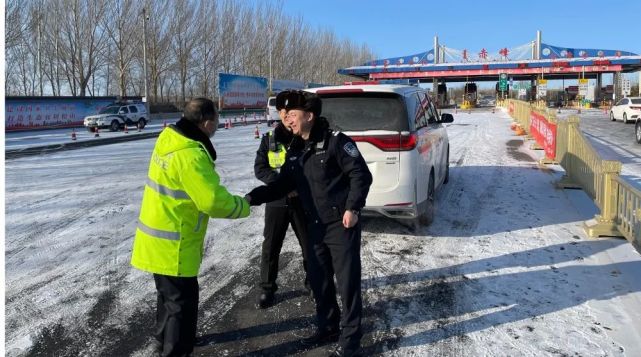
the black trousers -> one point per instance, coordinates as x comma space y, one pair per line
277, 219
335, 250
176, 314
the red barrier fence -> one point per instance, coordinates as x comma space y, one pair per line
544, 133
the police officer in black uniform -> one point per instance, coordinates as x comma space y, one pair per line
279, 213
332, 180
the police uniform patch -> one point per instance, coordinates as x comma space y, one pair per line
351, 149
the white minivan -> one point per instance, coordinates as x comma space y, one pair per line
403, 140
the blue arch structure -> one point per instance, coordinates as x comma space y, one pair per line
555, 63
554, 52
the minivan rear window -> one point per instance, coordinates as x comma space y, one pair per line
636, 101
272, 102
365, 111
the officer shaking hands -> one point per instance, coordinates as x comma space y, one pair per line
332, 180
270, 157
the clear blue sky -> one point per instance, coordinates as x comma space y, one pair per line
397, 28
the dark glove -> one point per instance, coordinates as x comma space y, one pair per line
256, 197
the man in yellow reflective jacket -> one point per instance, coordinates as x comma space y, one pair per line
182, 191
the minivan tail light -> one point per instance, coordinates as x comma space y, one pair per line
635, 108
390, 142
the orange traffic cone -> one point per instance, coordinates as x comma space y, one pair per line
97, 134
73, 134
126, 130
520, 131
256, 133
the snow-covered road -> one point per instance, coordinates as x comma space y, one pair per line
504, 270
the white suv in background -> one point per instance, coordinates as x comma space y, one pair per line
116, 116
627, 109
401, 137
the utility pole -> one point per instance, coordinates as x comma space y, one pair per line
144, 57
270, 60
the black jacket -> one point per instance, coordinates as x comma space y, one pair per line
328, 171
262, 170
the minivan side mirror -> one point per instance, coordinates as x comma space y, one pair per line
447, 118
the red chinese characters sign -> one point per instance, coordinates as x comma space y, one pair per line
544, 133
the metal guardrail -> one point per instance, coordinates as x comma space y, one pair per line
46, 149
618, 201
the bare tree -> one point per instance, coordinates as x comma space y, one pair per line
184, 36
121, 23
207, 58
83, 41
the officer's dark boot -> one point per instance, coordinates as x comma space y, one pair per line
266, 299
322, 337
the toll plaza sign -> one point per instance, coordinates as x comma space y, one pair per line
544, 133
583, 87
542, 88
503, 82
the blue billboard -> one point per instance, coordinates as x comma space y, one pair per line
242, 92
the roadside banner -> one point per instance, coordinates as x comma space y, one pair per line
544, 133
26, 113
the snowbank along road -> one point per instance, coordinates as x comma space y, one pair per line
504, 270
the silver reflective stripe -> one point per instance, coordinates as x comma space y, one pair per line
200, 220
166, 190
240, 211
158, 233
235, 207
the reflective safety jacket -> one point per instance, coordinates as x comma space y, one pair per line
271, 156
182, 191
276, 153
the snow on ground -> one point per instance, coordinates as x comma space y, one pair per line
505, 269
612, 140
